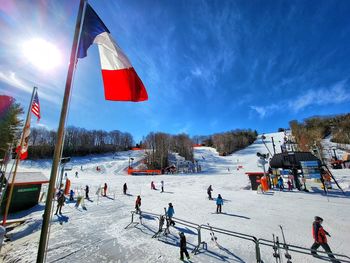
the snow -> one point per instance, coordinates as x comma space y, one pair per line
98, 234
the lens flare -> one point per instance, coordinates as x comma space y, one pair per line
42, 54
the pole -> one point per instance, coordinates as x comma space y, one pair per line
60, 136
273, 145
17, 159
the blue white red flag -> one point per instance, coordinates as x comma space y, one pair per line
120, 79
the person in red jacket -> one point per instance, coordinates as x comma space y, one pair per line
138, 204
319, 235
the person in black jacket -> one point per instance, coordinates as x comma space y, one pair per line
183, 248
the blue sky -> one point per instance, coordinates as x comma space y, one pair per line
208, 66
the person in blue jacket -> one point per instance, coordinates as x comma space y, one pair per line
170, 213
219, 203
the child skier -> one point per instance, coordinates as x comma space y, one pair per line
183, 248
209, 190
170, 213
319, 235
219, 203
280, 183
138, 204
125, 188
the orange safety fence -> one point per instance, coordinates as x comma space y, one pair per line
146, 171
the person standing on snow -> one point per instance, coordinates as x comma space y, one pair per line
170, 213
76, 174
209, 190
87, 192
138, 204
219, 203
105, 189
319, 235
153, 187
125, 188
290, 186
162, 185
280, 183
183, 248
60, 202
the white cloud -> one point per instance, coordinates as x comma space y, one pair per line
196, 72
13, 80
334, 95
264, 111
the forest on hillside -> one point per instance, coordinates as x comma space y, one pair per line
311, 131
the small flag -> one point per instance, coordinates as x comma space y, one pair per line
120, 79
36, 106
23, 153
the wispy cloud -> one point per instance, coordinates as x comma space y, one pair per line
334, 95
11, 79
264, 111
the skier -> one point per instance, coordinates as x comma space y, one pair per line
170, 213
219, 203
125, 188
87, 192
76, 174
319, 235
65, 175
162, 185
209, 190
60, 202
153, 187
105, 189
290, 186
280, 183
71, 195
138, 204
183, 248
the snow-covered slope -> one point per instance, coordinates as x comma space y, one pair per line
98, 234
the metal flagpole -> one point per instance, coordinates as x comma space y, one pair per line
8, 202
59, 139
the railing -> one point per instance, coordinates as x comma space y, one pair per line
258, 243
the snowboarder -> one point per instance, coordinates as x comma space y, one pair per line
290, 186
280, 183
138, 204
219, 203
162, 185
183, 248
170, 213
60, 202
125, 188
76, 174
153, 187
209, 190
87, 192
105, 189
319, 235
71, 195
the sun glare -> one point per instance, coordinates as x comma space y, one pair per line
41, 54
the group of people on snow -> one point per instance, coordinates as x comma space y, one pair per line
219, 199
153, 186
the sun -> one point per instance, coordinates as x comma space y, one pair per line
42, 54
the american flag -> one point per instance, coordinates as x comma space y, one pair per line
36, 106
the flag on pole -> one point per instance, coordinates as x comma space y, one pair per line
121, 82
23, 153
36, 106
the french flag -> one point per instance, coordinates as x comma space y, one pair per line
121, 82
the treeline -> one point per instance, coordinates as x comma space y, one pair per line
228, 142
10, 123
311, 131
159, 145
78, 142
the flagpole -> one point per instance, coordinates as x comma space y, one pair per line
9, 197
59, 139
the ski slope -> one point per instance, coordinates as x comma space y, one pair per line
98, 234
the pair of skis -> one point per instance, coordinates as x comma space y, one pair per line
277, 248
213, 237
